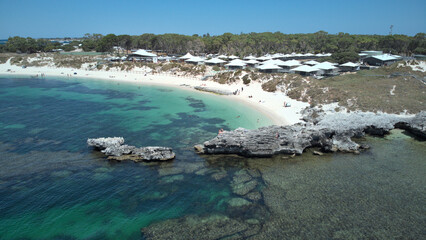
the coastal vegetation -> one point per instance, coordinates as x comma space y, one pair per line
392, 89
236, 44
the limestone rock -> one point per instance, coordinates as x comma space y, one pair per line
113, 148
332, 132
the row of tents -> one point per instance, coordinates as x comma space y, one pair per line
271, 65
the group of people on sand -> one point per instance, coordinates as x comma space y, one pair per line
238, 91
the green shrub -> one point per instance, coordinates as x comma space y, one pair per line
246, 80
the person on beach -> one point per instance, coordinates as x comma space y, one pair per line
220, 131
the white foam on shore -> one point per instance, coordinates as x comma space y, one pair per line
270, 104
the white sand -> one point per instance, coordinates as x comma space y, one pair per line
270, 104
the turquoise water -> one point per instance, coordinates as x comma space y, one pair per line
52, 186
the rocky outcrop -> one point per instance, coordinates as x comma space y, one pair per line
113, 147
417, 126
331, 133
213, 90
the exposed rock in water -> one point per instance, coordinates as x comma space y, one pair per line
416, 126
238, 202
318, 153
213, 90
113, 147
332, 132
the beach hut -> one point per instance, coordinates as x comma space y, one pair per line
263, 58
311, 63
327, 68
236, 64
252, 63
277, 56
185, 57
308, 55
349, 67
274, 61
306, 70
195, 60
287, 65
269, 68
215, 61
250, 58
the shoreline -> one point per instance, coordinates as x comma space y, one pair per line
267, 103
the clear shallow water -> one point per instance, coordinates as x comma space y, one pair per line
53, 187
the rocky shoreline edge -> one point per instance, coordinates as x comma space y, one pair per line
328, 132
115, 150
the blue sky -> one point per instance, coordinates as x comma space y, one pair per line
57, 18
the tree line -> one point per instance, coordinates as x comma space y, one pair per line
236, 44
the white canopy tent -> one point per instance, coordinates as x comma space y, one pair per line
237, 63
269, 67
250, 58
263, 58
349, 64
215, 61
306, 70
252, 62
311, 63
232, 57
186, 56
325, 66
143, 53
222, 56
291, 63
195, 60
277, 62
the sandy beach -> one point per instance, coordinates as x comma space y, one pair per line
270, 104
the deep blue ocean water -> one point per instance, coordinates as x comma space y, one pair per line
52, 186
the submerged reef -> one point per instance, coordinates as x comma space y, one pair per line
113, 147
329, 132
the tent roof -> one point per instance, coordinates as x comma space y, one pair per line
215, 61
312, 62
195, 59
250, 58
325, 66
223, 56
263, 58
268, 66
291, 63
305, 68
236, 63
384, 57
252, 61
275, 62
144, 53
186, 56
349, 64
232, 57
277, 55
